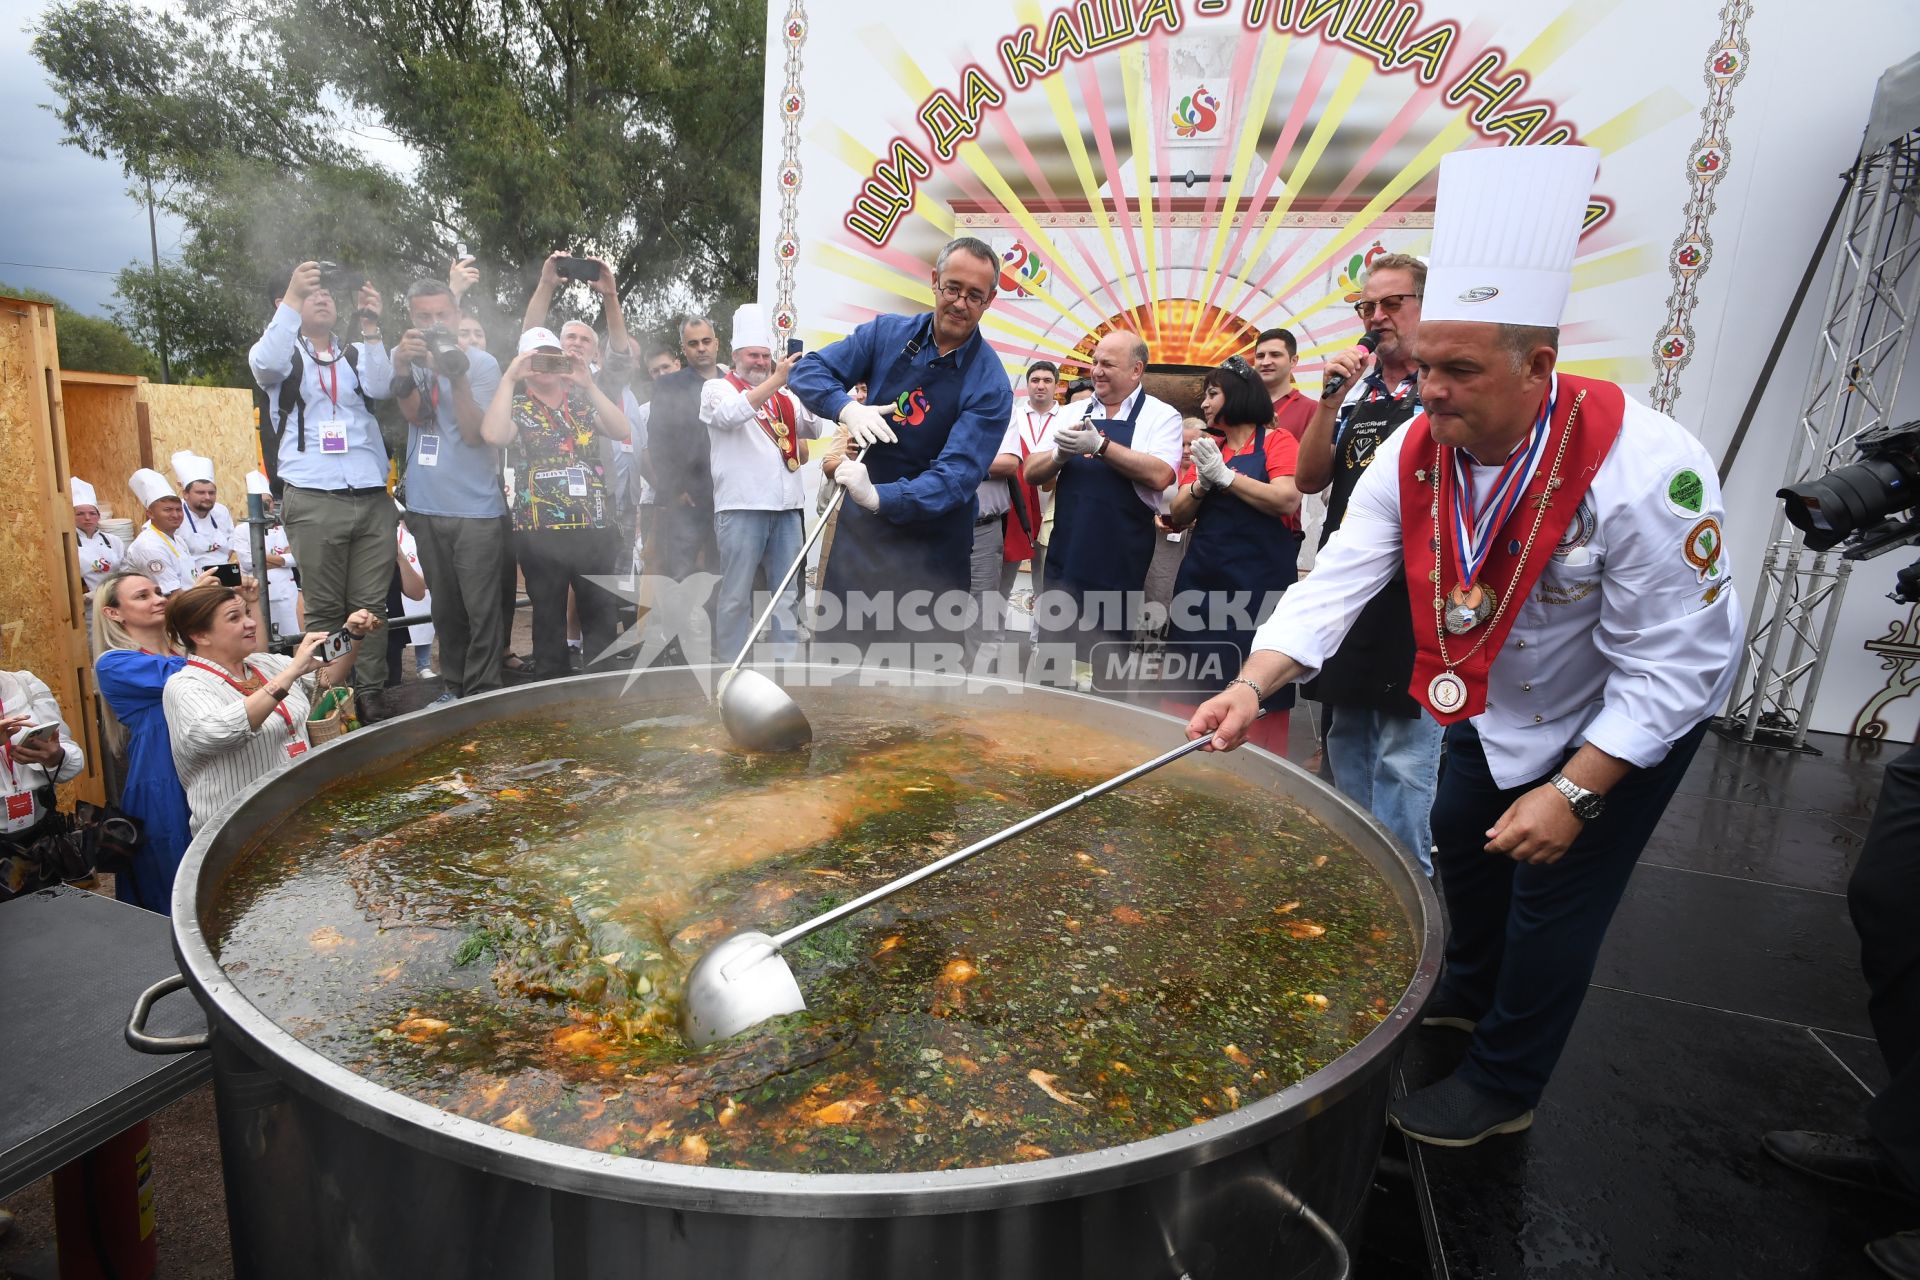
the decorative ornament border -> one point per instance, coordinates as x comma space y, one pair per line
1707, 164
792, 106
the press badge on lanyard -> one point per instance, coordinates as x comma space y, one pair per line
333, 437
429, 453
19, 810
576, 482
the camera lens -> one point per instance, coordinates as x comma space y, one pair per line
1847, 499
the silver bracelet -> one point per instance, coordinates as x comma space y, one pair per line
1258, 693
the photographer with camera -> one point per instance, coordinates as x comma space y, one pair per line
37, 752
235, 715
456, 508
330, 456
547, 414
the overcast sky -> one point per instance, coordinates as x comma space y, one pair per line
63, 209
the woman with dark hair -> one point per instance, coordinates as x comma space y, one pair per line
235, 715
1238, 495
136, 659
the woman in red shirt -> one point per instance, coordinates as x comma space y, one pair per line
1239, 497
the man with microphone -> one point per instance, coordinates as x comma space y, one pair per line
1384, 750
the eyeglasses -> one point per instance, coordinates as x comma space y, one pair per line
1390, 304
956, 292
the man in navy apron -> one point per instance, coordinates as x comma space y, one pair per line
1113, 459
938, 401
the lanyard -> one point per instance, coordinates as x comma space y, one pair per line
6, 747
329, 366
171, 546
243, 691
1476, 522
1030, 438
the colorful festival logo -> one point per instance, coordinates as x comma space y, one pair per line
911, 407
1356, 270
1022, 272
1197, 114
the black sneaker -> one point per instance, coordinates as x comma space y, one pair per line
1453, 1113
1845, 1161
1898, 1256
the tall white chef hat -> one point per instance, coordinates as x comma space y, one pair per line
750, 328
1506, 226
83, 494
257, 482
149, 486
190, 468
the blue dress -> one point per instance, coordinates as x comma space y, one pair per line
131, 681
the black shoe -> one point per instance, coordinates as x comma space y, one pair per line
1848, 1162
1453, 1113
1449, 1011
1898, 1256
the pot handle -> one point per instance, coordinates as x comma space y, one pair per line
1301, 1209
137, 1024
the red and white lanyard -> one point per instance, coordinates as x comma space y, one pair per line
1030, 438
243, 691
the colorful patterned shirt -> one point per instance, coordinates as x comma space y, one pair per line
559, 480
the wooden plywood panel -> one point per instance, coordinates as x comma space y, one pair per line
40, 615
103, 440
214, 422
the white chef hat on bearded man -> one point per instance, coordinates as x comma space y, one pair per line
1506, 227
83, 494
750, 328
190, 468
149, 486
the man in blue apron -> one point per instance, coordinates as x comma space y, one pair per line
1113, 459
937, 405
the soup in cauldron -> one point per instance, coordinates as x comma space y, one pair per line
499, 924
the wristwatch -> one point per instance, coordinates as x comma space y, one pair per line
1101, 451
1587, 805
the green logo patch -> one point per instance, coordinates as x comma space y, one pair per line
1686, 493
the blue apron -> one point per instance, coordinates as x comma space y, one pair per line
871, 554
1102, 533
1235, 549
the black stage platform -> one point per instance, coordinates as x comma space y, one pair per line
1728, 1001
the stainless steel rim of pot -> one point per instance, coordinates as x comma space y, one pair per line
632, 1179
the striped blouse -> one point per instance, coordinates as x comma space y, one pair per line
215, 752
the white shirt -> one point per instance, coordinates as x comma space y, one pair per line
215, 753
23, 693
1023, 437
1156, 432
419, 632
210, 539
100, 557
1622, 644
162, 557
749, 474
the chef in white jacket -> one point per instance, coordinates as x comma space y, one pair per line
1574, 617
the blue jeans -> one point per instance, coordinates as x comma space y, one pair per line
1389, 765
768, 540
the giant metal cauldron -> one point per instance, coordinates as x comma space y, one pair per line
332, 1177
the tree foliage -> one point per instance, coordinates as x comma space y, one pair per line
88, 343
625, 129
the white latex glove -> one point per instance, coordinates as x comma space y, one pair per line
851, 475
1208, 464
1074, 438
868, 425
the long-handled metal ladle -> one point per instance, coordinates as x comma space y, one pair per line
758, 714
744, 980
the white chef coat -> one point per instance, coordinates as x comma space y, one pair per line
1622, 643
281, 589
1156, 432
23, 693
100, 557
162, 557
749, 473
209, 539
419, 632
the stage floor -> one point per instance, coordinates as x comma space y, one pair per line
1728, 1001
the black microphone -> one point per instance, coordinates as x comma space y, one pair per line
1334, 383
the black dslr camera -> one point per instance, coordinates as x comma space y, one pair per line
448, 358
1870, 504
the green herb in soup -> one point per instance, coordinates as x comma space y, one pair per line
500, 926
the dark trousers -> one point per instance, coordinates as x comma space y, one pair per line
684, 542
1524, 938
1884, 897
468, 565
552, 560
